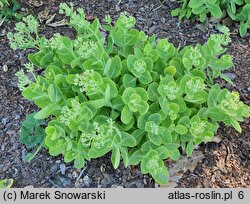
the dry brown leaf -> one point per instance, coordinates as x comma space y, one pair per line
50, 19
216, 139
90, 17
62, 22
183, 164
36, 3
44, 15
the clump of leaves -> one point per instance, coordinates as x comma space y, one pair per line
6, 183
126, 93
238, 10
32, 135
9, 9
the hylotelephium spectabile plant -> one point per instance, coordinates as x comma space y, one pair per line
126, 93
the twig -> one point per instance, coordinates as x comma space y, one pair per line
2, 21
157, 8
80, 175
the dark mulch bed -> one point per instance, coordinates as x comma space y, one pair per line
226, 164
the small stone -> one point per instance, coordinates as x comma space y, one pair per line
117, 8
5, 68
62, 168
141, 19
16, 171
142, 9
58, 161
152, 30
53, 168
248, 89
86, 180
74, 174
65, 182
4, 121
163, 20
17, 117
23, 154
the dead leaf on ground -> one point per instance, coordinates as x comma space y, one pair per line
62, 22
181, 166
44, 14
216, 139
90, 17
50, 19
227, 21
36, 3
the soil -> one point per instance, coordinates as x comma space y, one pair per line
226, 164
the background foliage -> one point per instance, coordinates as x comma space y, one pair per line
238, 10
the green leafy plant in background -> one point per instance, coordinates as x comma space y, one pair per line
6, 183
123, 92
238, 10
9, 9
32, 135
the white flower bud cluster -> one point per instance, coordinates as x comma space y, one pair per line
31, 23
24, 36
56, 42
70, 114
153, 165
220, 40
111, 123
231, 103
166, 47
85, 49
94, 138
171, 91
140, 66
29, 67
108, 19
128, 21
199, 127
196, 85
194, 55
23, 80
86, 81
77, 18
172, 115
154, 128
